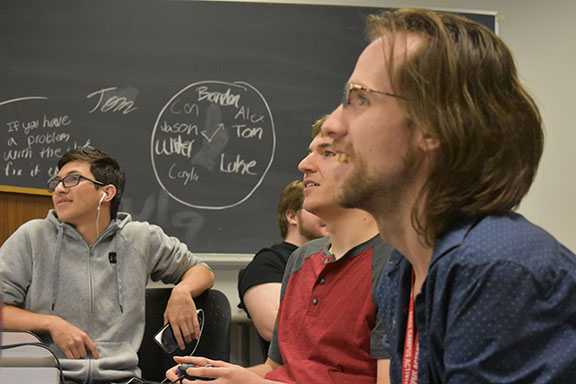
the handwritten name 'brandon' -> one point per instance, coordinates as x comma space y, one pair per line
225, 99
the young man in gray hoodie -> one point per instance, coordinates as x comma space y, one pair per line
78, 277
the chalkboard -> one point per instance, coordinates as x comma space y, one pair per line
206, 105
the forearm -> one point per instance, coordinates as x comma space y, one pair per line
383, 372
72, 341
262, 369
18, 319
196, 280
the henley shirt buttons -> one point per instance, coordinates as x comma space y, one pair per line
315, 301
322, 281
326, 261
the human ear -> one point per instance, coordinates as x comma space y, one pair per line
427, 141
110, 191
291, 216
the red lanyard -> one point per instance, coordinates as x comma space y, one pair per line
410, 359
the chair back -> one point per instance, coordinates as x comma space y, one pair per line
215, 340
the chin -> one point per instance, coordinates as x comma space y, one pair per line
353, 194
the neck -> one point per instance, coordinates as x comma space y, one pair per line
90, 230
295, 237
400, 233
349, 229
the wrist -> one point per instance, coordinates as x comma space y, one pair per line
182, 289
50, 323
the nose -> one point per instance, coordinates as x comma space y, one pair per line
334, 127
59, 187
305, 165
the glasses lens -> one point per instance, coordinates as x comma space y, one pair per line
71, 181
52, 184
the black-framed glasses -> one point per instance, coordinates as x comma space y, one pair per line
349, 87
69, 181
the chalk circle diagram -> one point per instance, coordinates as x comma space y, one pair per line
213, 144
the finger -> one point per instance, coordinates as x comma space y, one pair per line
68, 353
171, 374
196, 327
178, 335
196, 360
188, 330
77, 351
91, 346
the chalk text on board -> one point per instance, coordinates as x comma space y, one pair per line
187, 108
179, 128
244, 113
15, 154
187, 176
224, 99
248, 133
174, 146
47, 122
237, 166
10, 170
108, 101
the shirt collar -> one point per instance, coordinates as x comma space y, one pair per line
453, 237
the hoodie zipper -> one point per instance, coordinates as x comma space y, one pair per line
91, 287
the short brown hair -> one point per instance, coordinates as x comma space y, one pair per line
104, 168
317, 126
462, 87
291, 199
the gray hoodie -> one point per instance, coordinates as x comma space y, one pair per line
47, 267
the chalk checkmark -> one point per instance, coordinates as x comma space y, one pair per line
211, 137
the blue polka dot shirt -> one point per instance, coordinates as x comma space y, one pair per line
498, 306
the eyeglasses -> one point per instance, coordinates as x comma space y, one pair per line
69, 182
349, 87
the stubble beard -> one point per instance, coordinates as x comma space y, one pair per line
381, 196
357, 190
309, 232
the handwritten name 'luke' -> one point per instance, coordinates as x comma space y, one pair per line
224, 99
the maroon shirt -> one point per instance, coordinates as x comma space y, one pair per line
328, 327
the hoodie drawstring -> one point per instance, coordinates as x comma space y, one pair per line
119, 268
56, 265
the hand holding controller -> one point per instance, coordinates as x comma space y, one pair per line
181, 371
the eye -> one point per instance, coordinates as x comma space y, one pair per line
357, 98
328, 153
70, 179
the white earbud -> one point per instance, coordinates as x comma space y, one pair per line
101, 200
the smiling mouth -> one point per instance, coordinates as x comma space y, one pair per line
311, 185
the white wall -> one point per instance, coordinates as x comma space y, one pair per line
540, 35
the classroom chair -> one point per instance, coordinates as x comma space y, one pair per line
215, 340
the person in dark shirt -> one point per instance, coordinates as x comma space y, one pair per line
260, 282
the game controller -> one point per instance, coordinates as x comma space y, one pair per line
181, 371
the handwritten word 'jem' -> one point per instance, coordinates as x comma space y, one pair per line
108, 101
